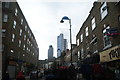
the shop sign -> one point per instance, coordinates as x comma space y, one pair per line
110, 54
12, 63
112, 32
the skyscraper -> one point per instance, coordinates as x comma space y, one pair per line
50, 53
61, 44
65, 46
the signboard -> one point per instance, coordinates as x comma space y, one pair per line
12, 63
112, 32
110, 54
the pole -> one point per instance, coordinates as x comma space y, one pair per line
70, 40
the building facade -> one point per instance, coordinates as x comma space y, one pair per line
19, 47
61, 44
0, 41
99, 32
50, 52
65, 45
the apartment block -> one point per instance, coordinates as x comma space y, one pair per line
19, 47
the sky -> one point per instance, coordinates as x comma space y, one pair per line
43, 17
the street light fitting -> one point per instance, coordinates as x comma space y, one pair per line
65, 18
62, 21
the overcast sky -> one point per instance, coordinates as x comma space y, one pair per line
44, 18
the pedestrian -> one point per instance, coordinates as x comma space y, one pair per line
117, 73
20, 76
6, 76
72, 72
86, 70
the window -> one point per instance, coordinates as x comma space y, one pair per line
16, 12
24, 37
33, 54
86, 30
20, 32
106, 39
5, 18
81, 37
23, 54
7, 4
103, 10
82, 53
31, 45
30, 34
13, 37
24, 47
93, 23
79, 55
29, 42
27, 49
25, 28
82, 50
87, 45
19, 43
119, 18
14, 24
28, 31
94, 44
3, 47
21, 21
94, 40
77, 42
3, 32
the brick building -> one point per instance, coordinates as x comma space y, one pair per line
99, 32
19, 47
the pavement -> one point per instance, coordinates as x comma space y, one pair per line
28, 78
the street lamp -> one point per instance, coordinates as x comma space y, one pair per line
62, 21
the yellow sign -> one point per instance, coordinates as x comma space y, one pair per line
110, 54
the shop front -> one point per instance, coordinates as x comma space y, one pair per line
110, 58
110, 54
12, 69
94, 59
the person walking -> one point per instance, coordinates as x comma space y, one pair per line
72, 72
20, 76
7, 76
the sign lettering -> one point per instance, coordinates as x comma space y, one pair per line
114, 53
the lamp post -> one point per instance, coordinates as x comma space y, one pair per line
62, 21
